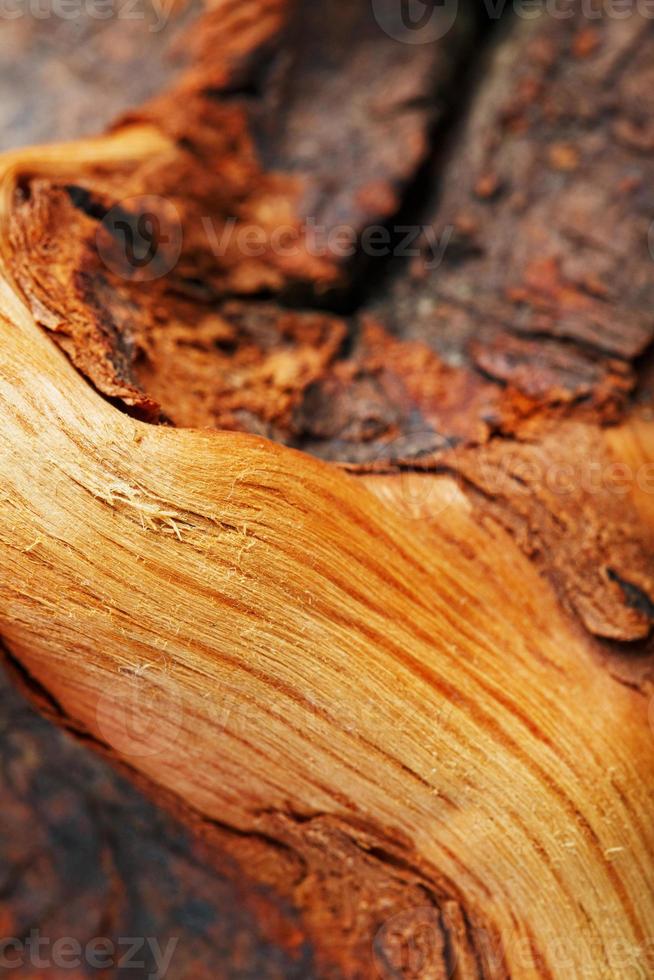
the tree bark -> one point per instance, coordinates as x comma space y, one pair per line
405, 685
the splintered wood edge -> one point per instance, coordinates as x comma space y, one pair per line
263, 636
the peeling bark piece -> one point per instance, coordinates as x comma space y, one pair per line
77, 278
551, 372
58, 269
240, 366
158, 351
544, 210
396, 403
567, 501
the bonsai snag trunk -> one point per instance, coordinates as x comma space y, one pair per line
397, 683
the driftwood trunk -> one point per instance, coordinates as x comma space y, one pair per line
346, 559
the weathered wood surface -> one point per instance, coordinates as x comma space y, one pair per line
83, 854
414, 700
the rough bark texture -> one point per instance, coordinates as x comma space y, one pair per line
394, 697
